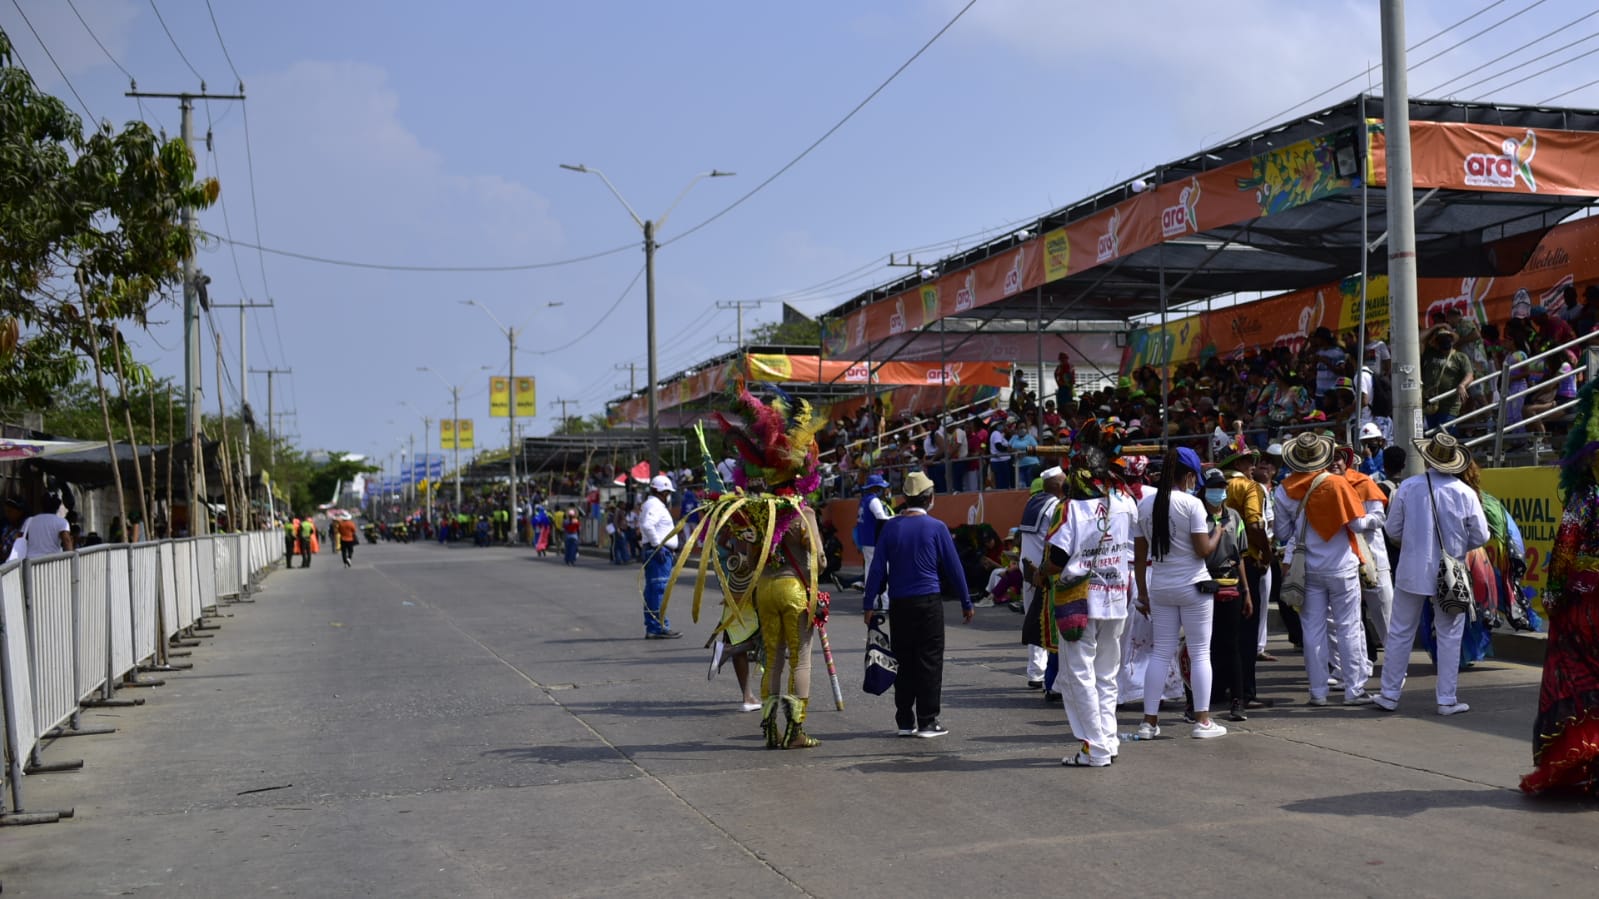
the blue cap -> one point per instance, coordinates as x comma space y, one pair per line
875, 480
1190, 460
1539, 312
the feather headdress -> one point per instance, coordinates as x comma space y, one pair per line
776, 442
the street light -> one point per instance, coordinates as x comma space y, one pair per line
510, 336
649, 227
455, 401
427, 458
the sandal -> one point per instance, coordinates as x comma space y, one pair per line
1080, 760
802, 740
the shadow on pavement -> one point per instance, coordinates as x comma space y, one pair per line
1405, 803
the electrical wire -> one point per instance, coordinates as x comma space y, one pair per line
596, 326
1411, 67
1434, 91
224, 44
1543, 71
96, 38
1566, 92
181, 55
51, 56
393, 267
829, 132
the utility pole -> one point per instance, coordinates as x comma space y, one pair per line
246, 417
632, 385
272, 421
455, 405
510, 334
427, 468
1404, 314
739, 305
192, 299
563, 404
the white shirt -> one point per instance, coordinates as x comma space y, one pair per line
724, 470
1460, 520
655, 523
1097, 535
998, 446
878, 508
1321, 556
1033, 541
43, 534
957, 439
1371, 528
1180, 567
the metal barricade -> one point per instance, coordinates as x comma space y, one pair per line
49, 585
167, 576
205, 573
224, 566
118, 603
16, 682
89, 620
188, 609
144, 599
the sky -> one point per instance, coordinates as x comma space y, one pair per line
404, 133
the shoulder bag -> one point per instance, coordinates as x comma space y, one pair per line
1452, 592
881, 666
1293, 590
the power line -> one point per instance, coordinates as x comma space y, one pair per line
1464, 41
1433, 91
596, 326
255, 207
224, 44
96, 38
1548, 69
51, 56
1566, 92
829, 132
192, 69
392, 267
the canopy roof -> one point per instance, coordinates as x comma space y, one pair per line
1279, 210
569, 452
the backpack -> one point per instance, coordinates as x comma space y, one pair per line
1382, 396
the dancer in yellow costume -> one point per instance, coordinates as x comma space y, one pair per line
775, 551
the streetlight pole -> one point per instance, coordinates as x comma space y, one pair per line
649, 227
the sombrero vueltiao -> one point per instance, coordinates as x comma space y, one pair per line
1443, 454
1308, 452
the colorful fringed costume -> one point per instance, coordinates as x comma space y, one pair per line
762, 541
1565, 741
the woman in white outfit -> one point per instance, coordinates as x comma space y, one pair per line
1324, 508
1176, 535
1093, 551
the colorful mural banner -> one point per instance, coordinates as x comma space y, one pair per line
1463, 156
500, 397
1567, 256
1532, 498
1238, 192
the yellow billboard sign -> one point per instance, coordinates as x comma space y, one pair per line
500, 397
463, 433
447, 433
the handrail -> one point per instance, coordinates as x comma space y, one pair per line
1498, 435
910, 427
1527, 362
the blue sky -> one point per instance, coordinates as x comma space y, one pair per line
399, 132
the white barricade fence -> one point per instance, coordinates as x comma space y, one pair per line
144, 591
183, 574
48, 589
205, 572
119, 616
89, 620
167, 574
16, 682
225, 566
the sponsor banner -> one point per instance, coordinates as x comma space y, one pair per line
463, 433
500, 397
1461, 156
919, 400
1239, 192
447, 433
1567, 256
1532, 498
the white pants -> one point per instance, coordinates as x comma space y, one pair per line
1335, 596
1402, 636
1037, 656
1087, 682
866, 555
1380, 602
1263, 601
1192, 612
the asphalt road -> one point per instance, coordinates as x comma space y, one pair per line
461, 722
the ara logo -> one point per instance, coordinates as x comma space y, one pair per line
1502, 169
1184, 216
966, 295
896, 321
857, 374
943, 376
1110, 242
1013, 278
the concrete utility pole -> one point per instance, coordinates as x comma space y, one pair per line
563, 404
632, 385
1404, 315
272, 421
246, 417
192, 300
739, 305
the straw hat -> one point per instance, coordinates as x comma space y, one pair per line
1443, 454
1308, 452
917, 484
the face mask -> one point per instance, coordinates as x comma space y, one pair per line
1196, 491
1216, 495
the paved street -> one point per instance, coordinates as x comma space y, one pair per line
460, 722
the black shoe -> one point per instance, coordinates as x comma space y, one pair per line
928, 731
663, 635
1035, 685
1050, 696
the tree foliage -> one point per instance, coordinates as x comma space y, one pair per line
791, 333
89, 234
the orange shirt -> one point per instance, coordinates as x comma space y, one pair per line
347, 531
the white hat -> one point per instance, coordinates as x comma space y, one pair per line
1370, 431
1050, 473
661, 483
1276, 449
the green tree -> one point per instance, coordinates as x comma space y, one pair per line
807, 333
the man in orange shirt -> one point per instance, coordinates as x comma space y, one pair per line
346, 529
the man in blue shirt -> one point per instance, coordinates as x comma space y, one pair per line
1022, 447
917, 565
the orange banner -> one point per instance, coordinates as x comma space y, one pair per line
1567, 256
1459, 156
1242, 191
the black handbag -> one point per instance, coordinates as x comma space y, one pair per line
881, 666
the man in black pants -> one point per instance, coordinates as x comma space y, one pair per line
916, 563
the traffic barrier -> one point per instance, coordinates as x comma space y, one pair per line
76, 624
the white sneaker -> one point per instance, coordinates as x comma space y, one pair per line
749, 707
1359, 699
1454, 708
984, 603
1208, 731
1147, 731
1384, 703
